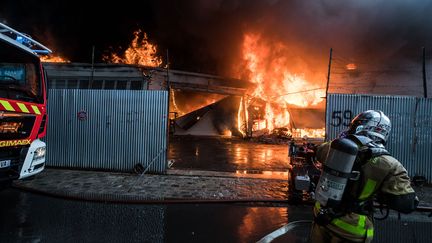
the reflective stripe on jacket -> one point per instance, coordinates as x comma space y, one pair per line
352, 226
383, 175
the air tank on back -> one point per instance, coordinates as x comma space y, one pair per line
337, 169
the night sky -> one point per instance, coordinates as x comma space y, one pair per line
206, 36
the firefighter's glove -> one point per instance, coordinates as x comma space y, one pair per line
323, 218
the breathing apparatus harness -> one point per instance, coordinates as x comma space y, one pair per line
338, 189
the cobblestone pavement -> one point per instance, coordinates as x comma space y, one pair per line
109, 186
176, 185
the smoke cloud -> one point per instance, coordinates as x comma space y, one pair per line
383, 38
206, 35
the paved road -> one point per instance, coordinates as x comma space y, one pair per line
26, 217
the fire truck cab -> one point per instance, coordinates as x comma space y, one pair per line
23, 100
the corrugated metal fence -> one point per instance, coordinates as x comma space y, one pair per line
107, 129
411, 136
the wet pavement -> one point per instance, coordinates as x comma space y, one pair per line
226, 154
196, 222
200, 186
27, 217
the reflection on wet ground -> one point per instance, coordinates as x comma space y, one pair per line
26, 217
226, 154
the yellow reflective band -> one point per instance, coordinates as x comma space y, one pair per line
36, 109
23, 107
355, 230
7, 105
361, 221
317, 208
368, 189
369, 233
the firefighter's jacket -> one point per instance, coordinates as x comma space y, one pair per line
383, 176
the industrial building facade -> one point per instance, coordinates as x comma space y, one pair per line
411, 135
115, 116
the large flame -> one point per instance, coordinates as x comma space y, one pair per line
275, 84
273, 79
140, 51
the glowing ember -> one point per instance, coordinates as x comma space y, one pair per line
351, 66
140, 51
52, 58
309, 133
276, 85
227, 133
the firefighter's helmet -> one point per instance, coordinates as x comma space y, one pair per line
373, 124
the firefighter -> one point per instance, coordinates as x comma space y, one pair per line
356, 169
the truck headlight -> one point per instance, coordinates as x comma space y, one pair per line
39, 153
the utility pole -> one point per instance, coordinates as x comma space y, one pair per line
167, 69
168, 89
328, 72
92, 68
168, 106
424, 74
327, 88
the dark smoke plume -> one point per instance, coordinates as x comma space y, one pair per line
212, 31
206, 35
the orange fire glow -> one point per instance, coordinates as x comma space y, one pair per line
309, 133
242, 117
275, 84
351, 66
52, 58
140, 52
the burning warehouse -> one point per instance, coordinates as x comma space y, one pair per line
278, 84
162, 106
275, 90
267, 44
272, 94
227, 106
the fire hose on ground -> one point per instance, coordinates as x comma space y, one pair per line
292, 225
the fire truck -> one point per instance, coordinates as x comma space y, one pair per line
23, 98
